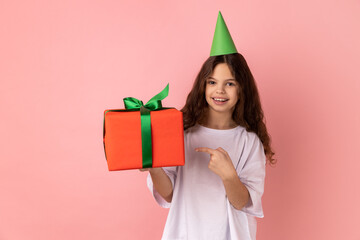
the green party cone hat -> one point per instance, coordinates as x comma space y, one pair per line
222, 42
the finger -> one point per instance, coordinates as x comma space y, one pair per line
205, 149
144, 169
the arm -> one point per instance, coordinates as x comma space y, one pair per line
236, 191
162, 183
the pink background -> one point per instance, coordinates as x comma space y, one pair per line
62, 63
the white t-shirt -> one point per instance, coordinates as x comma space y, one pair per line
200, 209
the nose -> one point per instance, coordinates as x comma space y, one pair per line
220, 89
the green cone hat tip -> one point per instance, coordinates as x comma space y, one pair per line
222, 42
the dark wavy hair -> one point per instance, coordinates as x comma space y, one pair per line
247, 112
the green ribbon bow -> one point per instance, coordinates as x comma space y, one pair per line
133, 104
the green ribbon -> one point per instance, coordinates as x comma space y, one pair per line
133, 104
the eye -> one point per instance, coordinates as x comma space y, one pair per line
231, 84
211, 82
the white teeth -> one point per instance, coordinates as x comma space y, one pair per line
220, 99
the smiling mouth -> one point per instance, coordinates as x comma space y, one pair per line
220, 99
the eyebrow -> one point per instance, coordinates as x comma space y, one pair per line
230, 79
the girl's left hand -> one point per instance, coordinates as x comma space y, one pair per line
220, 162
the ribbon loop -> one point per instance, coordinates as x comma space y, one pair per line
132, 103
154, 105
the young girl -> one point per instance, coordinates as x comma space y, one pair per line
217, 193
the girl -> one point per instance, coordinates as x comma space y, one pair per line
217, 193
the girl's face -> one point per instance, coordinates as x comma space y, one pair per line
221, 92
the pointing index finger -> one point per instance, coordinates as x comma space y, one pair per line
205, 149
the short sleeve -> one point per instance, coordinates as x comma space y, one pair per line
171, 172
252, 175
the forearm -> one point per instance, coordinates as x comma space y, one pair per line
162, 183
236, 191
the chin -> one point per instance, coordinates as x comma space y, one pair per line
220, 110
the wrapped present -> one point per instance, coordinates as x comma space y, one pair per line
143, 136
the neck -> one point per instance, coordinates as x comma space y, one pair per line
216, 120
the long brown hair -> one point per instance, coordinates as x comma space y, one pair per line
247, 113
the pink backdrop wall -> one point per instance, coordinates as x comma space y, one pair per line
62, 63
